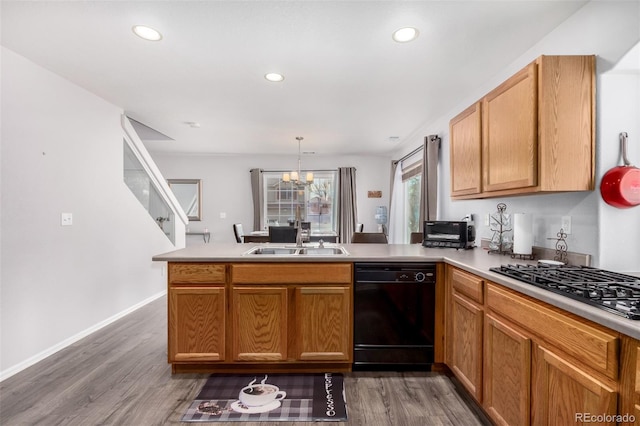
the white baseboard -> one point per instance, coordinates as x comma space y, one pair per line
71, 340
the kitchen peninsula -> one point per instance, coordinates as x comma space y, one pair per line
233, 311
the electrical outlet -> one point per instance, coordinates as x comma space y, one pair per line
565, 224
223, 215
66, 219
486, 219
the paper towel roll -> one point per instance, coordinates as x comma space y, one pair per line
522, 233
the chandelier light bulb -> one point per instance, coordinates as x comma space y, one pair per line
295, 176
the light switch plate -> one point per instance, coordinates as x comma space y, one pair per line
66, 219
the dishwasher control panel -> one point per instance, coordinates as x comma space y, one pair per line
400, 272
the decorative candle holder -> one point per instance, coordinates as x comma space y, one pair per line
561, 247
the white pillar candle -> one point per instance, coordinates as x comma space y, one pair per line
522, 233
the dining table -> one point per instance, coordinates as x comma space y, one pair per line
263, 237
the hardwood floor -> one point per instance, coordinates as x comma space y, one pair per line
120, 376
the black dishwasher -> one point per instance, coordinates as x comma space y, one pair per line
394, 316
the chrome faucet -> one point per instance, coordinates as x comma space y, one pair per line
298, 225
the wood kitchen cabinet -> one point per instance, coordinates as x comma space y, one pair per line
509, 133
466, 151
312, 310
259, 323
317, 321
564, 392
630, 381
272, 317
465, 331
197, 324
507, 372
196, 312
533, 133
540, 365
323, 323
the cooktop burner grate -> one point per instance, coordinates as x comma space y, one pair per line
614, 292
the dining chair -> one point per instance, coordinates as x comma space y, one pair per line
369, 237
238, 232
282, 234
416, 238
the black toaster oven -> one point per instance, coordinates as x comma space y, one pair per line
448, 234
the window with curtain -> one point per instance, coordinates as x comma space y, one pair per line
411, 179
317, 201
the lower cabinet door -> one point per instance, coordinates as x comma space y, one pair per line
466, 344
565, 394
323, 323
259, 325
630, 381
196, 324
507, 373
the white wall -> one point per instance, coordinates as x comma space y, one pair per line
226, 185
609, 30
619, 111
62, 152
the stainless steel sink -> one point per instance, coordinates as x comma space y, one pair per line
297, 251
323, 251
273, 250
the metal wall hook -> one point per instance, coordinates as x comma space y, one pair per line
623, 147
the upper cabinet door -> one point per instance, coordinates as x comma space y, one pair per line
567, 123
466, 152
510, 133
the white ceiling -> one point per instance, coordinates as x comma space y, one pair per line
348, 86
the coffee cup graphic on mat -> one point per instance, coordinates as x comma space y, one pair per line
255, 395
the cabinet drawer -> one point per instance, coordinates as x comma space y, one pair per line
197, 273
467, 284
588, 344
291, 273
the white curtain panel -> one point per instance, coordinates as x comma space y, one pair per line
396, 213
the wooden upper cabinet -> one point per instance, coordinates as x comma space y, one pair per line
466, 151
567, 123
537, 133
509, 140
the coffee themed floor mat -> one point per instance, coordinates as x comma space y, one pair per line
273, 397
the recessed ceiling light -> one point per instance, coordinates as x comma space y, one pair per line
147, 33
273, 76
193, 124
404, 35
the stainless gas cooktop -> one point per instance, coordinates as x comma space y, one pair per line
611, 291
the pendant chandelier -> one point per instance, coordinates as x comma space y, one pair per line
295, 177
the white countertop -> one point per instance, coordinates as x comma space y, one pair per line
476, 261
